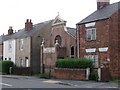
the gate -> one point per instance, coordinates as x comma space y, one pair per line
105, 74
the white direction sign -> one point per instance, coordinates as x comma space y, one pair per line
49, 50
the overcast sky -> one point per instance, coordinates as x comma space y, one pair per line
15, 12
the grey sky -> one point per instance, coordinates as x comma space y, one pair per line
15, 12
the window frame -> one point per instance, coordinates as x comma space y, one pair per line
94, 58
21, 62
72, 54
91, 32
10, 46
59, 38
21, 44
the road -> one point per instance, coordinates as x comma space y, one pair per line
31, 82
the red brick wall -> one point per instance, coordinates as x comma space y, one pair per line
114, 43
65, 73
1, 51
107, 35
67, 40
102, 40
119, 42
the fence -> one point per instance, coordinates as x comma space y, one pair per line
20, 70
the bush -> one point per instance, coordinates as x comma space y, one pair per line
5, 65
74, 63
93, 76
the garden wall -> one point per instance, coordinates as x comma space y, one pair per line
67, 73
20, 70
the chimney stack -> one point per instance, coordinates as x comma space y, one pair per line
102, 3
28, 25
10, 31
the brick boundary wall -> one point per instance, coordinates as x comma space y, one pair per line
66, 73
20, 70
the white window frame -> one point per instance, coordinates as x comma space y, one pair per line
21, 62
10, 46
21, 44
94, 58
91, 34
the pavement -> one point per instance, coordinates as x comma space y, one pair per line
75, 83
17, 77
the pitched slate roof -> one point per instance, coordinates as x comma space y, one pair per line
22, 33
71, 31
103, 13
3, 38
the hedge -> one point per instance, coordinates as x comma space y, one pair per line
5, 65
74, 63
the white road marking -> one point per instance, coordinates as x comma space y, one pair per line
51, 81
6, 84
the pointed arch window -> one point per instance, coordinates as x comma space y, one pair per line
58, 37
72, 52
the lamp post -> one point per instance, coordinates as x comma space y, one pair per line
42, 66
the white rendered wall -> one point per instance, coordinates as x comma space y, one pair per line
9, 53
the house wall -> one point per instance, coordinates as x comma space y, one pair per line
1, 51
107, 35
114, 42
37, 38
26, 52
102, 40
9, 53
67, 40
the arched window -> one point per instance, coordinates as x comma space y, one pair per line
58, 37
72, 51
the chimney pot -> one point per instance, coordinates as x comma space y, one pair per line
28, 24
10, 31
27, 20
102, 3
30, 20
10, 27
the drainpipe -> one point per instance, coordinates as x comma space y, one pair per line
31, 56
78, 41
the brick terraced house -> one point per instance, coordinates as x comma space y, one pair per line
98, 36
28, 44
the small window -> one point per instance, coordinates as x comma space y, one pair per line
21, 44
94, 58
9, 59
10, 46
91, 34
21, 62
5, 58
72, 52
